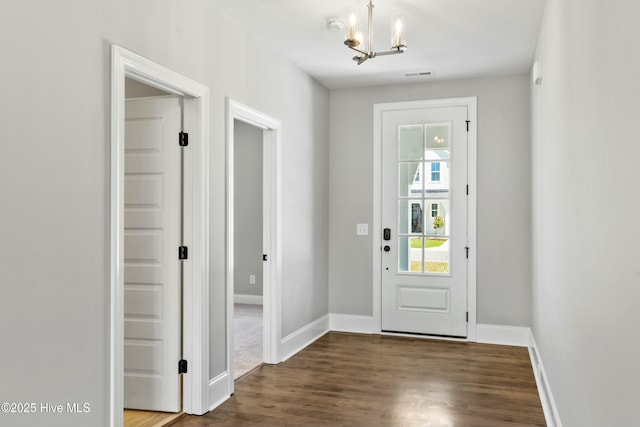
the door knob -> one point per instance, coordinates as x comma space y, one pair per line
387, 248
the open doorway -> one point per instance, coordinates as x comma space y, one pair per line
248, 248
253, 239
192, 331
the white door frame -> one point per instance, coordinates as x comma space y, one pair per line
378, 109
272, 331
195, 333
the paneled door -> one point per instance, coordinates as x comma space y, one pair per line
424, 221
152, 273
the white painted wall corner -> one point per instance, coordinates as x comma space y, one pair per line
551, 415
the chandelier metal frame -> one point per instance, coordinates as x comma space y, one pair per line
353, 40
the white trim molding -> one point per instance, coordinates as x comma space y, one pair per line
272, 230
523, 337
219, 390
378, 109
196, 272
503, 335
486, 334
549, 407
351, 323
298, 340
247, 299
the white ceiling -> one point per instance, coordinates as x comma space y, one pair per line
450, 38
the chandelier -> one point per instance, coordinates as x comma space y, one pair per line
354, 40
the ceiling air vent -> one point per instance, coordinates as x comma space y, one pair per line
418, 74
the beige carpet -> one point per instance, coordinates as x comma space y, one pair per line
247, 338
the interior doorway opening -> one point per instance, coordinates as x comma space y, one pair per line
194, 393
264, 257
248, 248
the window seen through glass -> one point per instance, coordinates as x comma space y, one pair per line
435, 171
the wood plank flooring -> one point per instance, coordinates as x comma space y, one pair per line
135, 418
372, 380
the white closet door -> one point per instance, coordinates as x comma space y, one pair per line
152, 236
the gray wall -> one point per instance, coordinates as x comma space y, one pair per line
503, 223
54, 182
251, 72
586, 274
248, 208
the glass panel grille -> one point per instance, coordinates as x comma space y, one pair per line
424, 199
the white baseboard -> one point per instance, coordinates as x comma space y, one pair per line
247, 299
523, 337
551, 415
351, 323
219, 390
293, 343
487, 334
503, 335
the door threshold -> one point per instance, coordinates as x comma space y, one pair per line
249, 372
424, 336
136, 418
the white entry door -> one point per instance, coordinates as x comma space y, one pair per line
152, 271
424, 221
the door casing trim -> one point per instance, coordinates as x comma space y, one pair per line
378, 110
272, 329
196, 229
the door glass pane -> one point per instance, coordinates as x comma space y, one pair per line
436, 179
436, 255
410, 254
410, 179
410, 142
436, 154
436, 221
424, 188
437, 137
410, 217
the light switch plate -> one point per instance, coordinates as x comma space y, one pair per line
362, 229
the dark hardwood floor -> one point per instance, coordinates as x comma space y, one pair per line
371, 380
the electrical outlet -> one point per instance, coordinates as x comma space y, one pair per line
362, 229
252, 279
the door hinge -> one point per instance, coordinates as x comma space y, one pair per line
183, 252
467, 251
468, 121
183, 139
264, 257
467, 316
182, 366
467, 189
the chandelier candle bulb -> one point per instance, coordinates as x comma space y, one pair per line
351, 27
397, 41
